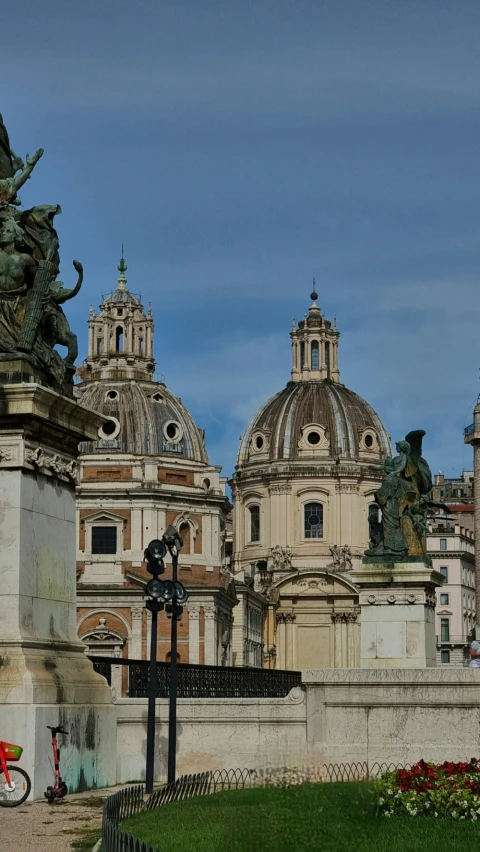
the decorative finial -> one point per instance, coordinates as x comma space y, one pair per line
314, 294
294, 324
334, 322
122, 268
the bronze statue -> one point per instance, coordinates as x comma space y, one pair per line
403, 498
32, 321
17, 269
55, 326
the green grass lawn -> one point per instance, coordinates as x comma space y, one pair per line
310, 818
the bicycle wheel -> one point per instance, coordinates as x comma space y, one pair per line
20, 785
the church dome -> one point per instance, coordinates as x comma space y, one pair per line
311, 419
116, 380
144, 418
315, 416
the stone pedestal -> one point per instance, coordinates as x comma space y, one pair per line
397, 602
45, 678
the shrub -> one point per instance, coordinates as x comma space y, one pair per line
446, 790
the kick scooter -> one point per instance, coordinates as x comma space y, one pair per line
59, 790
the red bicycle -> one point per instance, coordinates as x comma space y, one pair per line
15, 785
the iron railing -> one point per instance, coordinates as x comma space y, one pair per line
195, 681
452, 640
469, 430
131, 801
104, 667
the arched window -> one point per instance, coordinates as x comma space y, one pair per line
185, 536
99, 346
140, 346
315, 360
327, 358
119, 339
313, 520
254, 523
373, 513
302, 356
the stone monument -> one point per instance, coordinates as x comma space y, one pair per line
45, 677
396, 581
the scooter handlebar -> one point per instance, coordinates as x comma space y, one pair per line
56, 731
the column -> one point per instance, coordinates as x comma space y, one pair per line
136, 532
210, 637
193, 633
207, 537
321, 357
280, 639
289, 619
136, 640
116, 681
148, 342
337, 639
351, 637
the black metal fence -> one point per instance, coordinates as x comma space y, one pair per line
195, 681
132, 800
117, 808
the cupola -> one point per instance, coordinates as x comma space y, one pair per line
120, 337
315, 346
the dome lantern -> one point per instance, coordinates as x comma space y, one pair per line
315, 346
120, 340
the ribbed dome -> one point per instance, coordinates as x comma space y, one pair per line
120, 296
146, 419
314, 418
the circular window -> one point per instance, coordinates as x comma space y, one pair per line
369, 441
313, 438
259, 442
111, 394
173, 431
110, 429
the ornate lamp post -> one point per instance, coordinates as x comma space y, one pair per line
169, 595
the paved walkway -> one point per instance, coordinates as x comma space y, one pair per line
40, 827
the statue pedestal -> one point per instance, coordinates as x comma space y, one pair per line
397, 602
45, 677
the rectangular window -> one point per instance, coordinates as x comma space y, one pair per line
314, 355
254, 523
443, 544
313, 520
302, 356
444, 572
444, 629
444, 600
104, 539
445, 656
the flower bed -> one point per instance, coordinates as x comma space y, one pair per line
450, 790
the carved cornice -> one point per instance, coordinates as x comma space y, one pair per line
346, 488
53, 464
279, 489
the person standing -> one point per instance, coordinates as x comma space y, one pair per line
474, 662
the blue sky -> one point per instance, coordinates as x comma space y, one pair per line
240, 148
